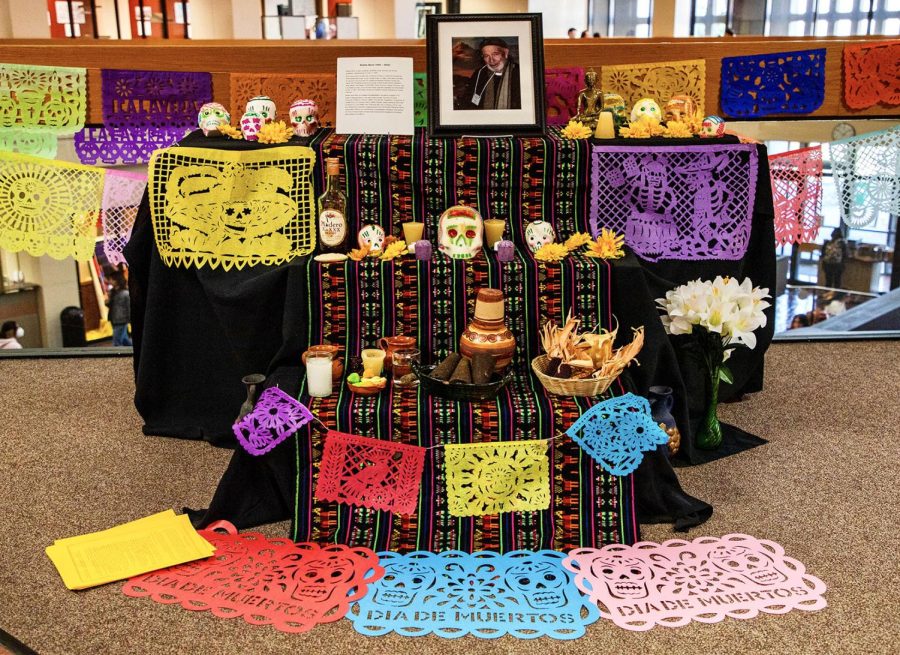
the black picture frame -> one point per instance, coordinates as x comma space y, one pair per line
468, 70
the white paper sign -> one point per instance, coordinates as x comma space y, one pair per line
374, 95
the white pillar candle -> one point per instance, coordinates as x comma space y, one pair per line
318, 374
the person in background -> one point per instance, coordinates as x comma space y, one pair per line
729, 31
834, 256
10, 333
585, 35
799, 321
119, 304
573, 33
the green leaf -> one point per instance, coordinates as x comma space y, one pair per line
725, 375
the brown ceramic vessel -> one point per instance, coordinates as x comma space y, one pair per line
488, 333
392, 344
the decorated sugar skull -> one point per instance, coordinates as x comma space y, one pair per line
645, 108
625, 577
264, 106
755, 566
211, 117
539, 233
401, 583
680, 108
461, 231
712, 126
616, 104
371, 235
250, 124
318, 579
541, 583
304, 117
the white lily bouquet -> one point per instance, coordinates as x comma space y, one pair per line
723, 314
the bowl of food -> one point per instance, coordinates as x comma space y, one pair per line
458, 390
366, 386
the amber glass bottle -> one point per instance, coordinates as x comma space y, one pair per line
333, 229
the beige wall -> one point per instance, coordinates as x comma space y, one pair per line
27, 19
212, 19
376, 18
5, 22
493, 6
246, 19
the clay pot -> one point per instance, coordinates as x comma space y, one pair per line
661, 402
488, 333
337, 363
390, 344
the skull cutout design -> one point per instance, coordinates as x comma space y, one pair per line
460, 229
712, 126
539, 233
625, 577
752, 565
263, 106
250, 124
645, 108
680, 108
211, 117
401, 583
319, 579
371, 235
542, 584
304, 117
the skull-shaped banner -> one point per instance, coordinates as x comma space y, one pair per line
122, 195
774, 83
232, 208
616, 432
370, 473
292, 587
871, 74
492, 478
49, 207
867, 173
561, 89
153, 98
46, 98
676, 202
797, 194
451, 594
657, 80
37, 143
124, 145
674, 583
275, 417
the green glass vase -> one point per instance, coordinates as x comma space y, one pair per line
709, 434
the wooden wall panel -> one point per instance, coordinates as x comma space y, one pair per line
221, 57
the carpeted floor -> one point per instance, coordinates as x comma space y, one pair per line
73, 460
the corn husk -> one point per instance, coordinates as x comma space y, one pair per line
588, 354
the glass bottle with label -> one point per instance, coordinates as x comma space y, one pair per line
333, 228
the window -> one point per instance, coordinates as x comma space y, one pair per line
621, 17
796, 17
72, 19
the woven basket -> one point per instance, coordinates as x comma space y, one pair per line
563, 387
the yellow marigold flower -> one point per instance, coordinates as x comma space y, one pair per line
230, 132
576, 130
677, 130
395, 249
577, 240
607, 246
551, 252
359, 254
275, 132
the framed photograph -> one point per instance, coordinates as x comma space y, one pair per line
485, 74
424, 9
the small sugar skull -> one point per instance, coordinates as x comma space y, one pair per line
317, 580
625, 577
373, 235
539, 233
211, 117
304, 117
680, 108
616, 104
461, 231
250, 124
264, 106
755, 566
712, 126
401, 582
542, 584
645, 108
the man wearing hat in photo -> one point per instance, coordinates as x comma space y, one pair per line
496, 84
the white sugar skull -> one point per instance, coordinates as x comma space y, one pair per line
211, 117
755, 566
250, 124
373, 235
401, 582
317, 580
461, 231
645, 108
680, 108
625, 577
264, 106
304, 117
539, 233
541, 583
712, 126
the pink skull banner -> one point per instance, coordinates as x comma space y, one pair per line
122, 193
561, 88
797, 194
705, 580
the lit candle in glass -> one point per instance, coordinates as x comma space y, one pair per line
318, 374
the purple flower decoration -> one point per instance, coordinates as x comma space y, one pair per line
274, 418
